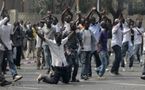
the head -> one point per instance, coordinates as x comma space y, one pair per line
68, 19
21, 22
58, 38
93, 20
131, 24
41, 24
49, 13
139, 23
104, 25
16, 24
55, 21
116, 21
48, 23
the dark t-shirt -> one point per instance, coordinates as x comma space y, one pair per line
103, 41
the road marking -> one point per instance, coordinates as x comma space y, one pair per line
28, 88
130, 84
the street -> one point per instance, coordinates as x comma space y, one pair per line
129, 80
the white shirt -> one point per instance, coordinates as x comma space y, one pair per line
46, 33
57, 53
86, 40
56, 27
3, 21
116, 35
67, 27
126, 34
5, 33
95, 29
38, 39
137, 35
144, 41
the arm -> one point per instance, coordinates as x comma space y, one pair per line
125, 32
63, 15
115, 28
3, 21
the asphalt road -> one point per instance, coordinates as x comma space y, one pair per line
129, 80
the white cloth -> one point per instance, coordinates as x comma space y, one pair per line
137, 35
57, 53
126, 34
56, 27
116, 35
3, 21
38, 39
5, 33
96, 30
46, 33
67, 27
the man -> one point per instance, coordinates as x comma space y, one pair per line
17, 39
127, 44
6, 32
3, 82
102, 49
116, 45
39, 45
138, 33
59, 63
143, 72
96, 30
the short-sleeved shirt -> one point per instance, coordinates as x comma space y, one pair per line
5, 34
103, 40
57, 53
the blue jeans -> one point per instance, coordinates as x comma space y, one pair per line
9, 56
47, 56
137, 51
104, 62
86, 62
126, 47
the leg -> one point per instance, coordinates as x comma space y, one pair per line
53, 79
75, 65
104, 58
18, 56
84, 70
124, 50
11, 63
47, 57
1, 60
65, 74
116, 63
97, 59
38, 57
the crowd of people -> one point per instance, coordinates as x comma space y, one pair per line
61, 46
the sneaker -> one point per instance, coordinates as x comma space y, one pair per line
123, 69
39, 78
75, 80
143, 77
4, 83
115, 74
17, 77
107, 70
85, 77
101, 78
131, 69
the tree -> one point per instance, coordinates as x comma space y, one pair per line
56, 6
115, 7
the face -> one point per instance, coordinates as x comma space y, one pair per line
58, 38
138, 24
93, 20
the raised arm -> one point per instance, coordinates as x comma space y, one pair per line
63, 15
